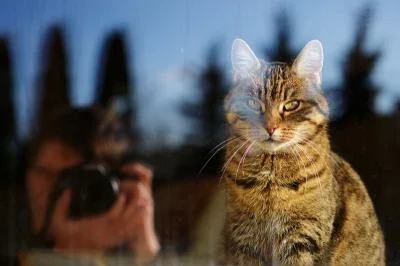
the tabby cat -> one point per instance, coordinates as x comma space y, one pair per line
290, 199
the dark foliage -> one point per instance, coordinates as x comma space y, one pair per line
281, 51
358, 92
114, 88
7, 117
53, 80
206, 113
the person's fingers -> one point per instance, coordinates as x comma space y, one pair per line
131, 221
129, 188
137, 202
38, 186
143, 172
137, 192
144, 200
116, 210
144, 196
61, 209
138, 211
130, 212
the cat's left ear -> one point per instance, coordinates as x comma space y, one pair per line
310, 61
244, 61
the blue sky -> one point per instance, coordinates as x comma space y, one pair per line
165, 38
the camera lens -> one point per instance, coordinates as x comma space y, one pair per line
95, 193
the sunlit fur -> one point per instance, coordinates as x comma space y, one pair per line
291, 201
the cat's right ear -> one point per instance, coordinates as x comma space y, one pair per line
310, 61
244, 61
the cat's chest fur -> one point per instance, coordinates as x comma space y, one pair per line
259, 217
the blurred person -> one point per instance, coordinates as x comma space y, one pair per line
73, 137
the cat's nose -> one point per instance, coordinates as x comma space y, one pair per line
271, 127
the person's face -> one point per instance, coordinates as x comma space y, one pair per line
53, 156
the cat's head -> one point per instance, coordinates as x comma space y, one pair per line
276, 105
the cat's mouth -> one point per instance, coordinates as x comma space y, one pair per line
271, 140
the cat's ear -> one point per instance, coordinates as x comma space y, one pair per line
310, 61
244, 61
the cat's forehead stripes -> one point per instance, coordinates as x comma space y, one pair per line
275, 79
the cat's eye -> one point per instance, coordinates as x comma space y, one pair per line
253, 105
291, 106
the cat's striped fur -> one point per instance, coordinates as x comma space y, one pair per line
291, 201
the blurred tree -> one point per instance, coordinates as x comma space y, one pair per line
397, 109
114, 88
206, 113
54, 75
358, 93
7, 117
281, 51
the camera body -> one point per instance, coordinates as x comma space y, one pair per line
94, 189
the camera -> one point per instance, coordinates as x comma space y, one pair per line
94, 189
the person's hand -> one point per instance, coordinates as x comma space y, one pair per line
94, 234
130, 220
52, 157
142, 237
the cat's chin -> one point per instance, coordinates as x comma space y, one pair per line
271, 146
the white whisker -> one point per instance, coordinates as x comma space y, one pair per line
222, 143
243, 157
212, 156
230, 159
